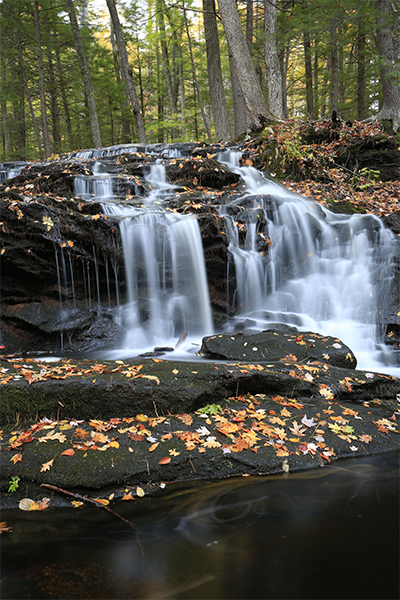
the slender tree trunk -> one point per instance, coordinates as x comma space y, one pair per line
249, 25
54, 108
241, 116
160, 7
273, 72
4, 114
334, 65
316, 81
206, 121
387, 46
61, 86
126, 129
87, 81
214, 70
361, 69
308, 68
127, 72
25, 80
248, 81
43, 111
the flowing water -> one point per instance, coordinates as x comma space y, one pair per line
298, 263
327, 533
167, 293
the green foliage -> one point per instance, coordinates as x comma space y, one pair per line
211, 409
14, 482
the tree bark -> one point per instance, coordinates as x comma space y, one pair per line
206, 121
361, 69
389, 69
25, 82
249, 25
87, 81
334, 65
127, 72
45, 131
160, 8
247, 77
126, 130
214, 70
273, 71
308, 69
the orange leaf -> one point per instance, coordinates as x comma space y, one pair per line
69, 452
16, 458
164, 461
47, 466
127, 496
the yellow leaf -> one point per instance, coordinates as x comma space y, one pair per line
153, 447
47, 466
3, 250
76, 503
140, 492
113, 444
153, 377
48, 222
102, 501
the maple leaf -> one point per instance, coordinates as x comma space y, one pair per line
174, 452
227, 428
308, 422
297, 429
212, 442
282, 451
127, 496
81, 433
187, 419
47, 466
16, 458
48, 222
204, 431
365, 438
326, 392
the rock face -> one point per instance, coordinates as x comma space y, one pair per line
62, 263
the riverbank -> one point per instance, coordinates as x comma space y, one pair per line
121, 428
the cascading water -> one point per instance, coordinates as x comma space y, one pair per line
165, 275
296, 262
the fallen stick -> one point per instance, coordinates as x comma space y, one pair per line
90, 500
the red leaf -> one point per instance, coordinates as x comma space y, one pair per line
164, 461
69, 452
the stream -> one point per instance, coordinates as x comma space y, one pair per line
326, 533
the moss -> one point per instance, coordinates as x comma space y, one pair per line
346, 207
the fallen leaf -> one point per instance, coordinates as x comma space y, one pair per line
127, 496
140, 492
164, 461
47, 466
3, 527
69, 452
16, 458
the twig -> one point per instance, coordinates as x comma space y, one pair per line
96, 503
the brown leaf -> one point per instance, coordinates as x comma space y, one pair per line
69, 452
164, 461
47, 466
16, 458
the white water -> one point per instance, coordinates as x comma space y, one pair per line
166, 282
322, 272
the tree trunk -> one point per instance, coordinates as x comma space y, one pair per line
160, 8
87, 81
249, 25
67, 116
206, 121
273, 71
308, 69
215, 82
389, 69
127, 72
361, 69
25, 83
126, 129
7, 145
45, 131
247, 77
241, 117
334, 65
54, 109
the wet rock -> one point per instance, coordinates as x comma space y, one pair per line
275, 345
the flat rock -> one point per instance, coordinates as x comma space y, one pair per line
275, 345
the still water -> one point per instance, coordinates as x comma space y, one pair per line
326, 533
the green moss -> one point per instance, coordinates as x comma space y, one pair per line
346, 207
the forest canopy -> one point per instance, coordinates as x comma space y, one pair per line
89, 73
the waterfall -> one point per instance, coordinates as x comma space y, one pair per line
166, 281
298, 263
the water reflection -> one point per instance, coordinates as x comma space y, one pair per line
329, 533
